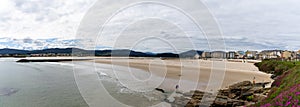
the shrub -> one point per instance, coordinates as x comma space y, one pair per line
250, 98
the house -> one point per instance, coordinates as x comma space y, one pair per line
270, 54
286, 55
240, 54
297, 55
251, 54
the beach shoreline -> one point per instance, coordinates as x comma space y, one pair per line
198, 71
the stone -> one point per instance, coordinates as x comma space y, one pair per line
161, 90
181, 101
257, 90
238, 103
232, 95
245, 95
258, 97
220, 102
193, 103
240, 84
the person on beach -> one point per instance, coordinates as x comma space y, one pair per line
253, 81
176, 87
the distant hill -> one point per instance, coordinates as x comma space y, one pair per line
119, 52
44, 51
13, 51
172, 55
123, 52
190, 54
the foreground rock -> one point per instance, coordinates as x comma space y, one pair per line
240, 94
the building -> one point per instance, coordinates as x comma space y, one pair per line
270, 54
206, 55
218, 54
251, 54
296, 55
286, 55
240, 54
231, 55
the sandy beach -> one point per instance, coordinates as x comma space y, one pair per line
199, 71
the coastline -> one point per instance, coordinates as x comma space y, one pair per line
182, 69
188, 71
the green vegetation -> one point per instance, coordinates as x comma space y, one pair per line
285, 89
276, 67
250, 98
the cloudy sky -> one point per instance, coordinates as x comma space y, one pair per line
246, 24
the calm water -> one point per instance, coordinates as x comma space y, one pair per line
39, 85
53, 85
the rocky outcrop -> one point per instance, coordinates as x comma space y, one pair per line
240, 94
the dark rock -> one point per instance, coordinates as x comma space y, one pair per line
225, 92
198, 94
161, 90
273, 76
256, 90
258, 97
232, 95
240, 84
220, 102
181, 101
238, 103
245, 95
193, 103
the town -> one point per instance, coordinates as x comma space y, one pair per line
255, 55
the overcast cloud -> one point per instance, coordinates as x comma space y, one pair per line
246, 24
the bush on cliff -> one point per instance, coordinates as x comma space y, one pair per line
276, 67
285, 89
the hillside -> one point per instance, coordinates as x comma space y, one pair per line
285, 89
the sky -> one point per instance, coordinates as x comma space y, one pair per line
246, 25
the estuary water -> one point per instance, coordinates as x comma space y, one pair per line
53, 85
38, 85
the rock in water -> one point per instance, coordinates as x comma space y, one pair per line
8, 91
161, 90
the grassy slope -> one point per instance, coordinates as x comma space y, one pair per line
286, 87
